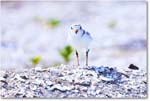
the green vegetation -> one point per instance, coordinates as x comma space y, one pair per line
35, 60
53, 23
112, 24
66, 53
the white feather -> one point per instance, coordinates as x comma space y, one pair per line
78, 40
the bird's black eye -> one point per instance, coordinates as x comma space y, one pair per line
71, 28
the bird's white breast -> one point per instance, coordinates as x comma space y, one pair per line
78, 41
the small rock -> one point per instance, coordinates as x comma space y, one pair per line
33, 87
106, 78
98, 91
2, 79
108, 96
91, 92
84, 83
39, 82
132, 66
67, 78
17, 95
21, 92
94, 83
56, 72
83, 89
17, 76
76, 91
60, 88
39, 69
29, 94
145, 82
25, 77
49, 83
6, 76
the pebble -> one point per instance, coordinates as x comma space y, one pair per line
29, 94
39, 81
84, 83
33, 87
39, 69
132, 66
106, 78
60, 88
49, 83
17, 76
83, 89
2, 79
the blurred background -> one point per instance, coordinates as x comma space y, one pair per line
35, 33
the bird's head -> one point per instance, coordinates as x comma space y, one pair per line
76, 28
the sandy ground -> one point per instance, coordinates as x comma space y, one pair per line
66, 81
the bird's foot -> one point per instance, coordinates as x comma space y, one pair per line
87, 65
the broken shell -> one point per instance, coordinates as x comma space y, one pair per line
106, 78
49, 83
39, 69
17, 76
60, 88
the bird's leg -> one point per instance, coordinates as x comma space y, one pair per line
77, 55
87, 57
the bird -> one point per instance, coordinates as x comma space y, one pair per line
79, 39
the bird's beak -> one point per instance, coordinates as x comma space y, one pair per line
76, 31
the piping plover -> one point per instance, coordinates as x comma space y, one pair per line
79, 39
